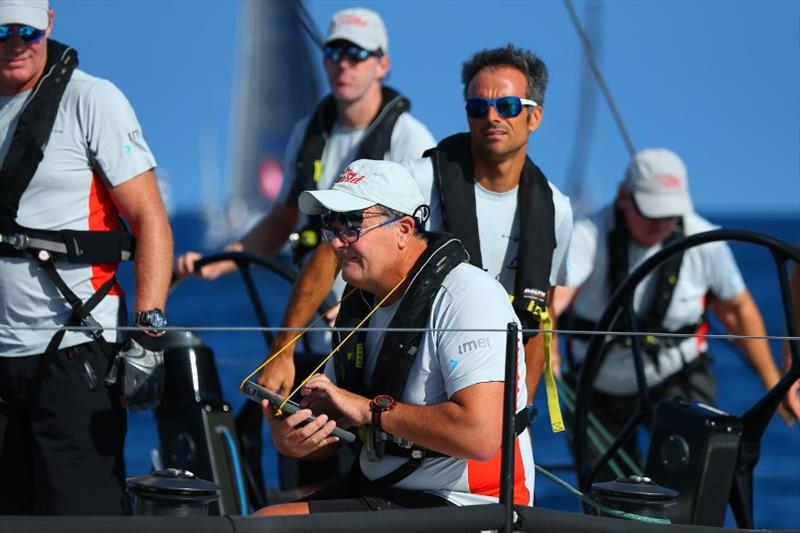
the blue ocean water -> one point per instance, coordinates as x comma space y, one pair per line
195, 303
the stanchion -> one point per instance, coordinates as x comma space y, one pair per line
509, 412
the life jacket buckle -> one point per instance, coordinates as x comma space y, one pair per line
16, 240
95, 328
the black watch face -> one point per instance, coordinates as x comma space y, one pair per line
152, 319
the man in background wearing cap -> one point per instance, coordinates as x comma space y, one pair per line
62, 423
653, 208
434, 424
360, 118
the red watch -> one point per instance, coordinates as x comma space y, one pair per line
380, 404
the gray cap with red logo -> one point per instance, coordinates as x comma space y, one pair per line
657, 179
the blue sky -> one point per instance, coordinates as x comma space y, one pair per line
718, 82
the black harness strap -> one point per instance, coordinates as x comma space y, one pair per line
415, 455
455, 178
651, 320
80, 312
375, 144
34, 127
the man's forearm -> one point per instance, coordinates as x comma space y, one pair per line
742, 317
271, 232
153, 266
312, 285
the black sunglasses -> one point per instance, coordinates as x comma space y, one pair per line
353, 53
28, 34
506, 106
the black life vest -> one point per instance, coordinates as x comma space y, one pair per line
47, 246
376, 142
455, 179
24, 155
399, 349
665, 278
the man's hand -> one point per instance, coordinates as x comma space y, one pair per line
293, 437
142, 375
278, 375
184, 266
322, 396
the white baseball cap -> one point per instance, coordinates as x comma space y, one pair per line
364, 183
26, 12
360, 26
657, 179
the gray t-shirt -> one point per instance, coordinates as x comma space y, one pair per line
710, 267
447, 362
96, 143
498, 225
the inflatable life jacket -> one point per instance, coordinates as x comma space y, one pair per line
665, 279
454, 175
376, 142
397, 353
46, 246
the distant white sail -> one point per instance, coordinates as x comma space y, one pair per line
276, 86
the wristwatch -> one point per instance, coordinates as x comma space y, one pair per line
380, 404
152, 320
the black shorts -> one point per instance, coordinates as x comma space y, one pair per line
352, 493
62, 433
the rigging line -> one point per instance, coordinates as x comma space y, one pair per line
594, 503
310, 328
602, 433
325, 359
601, 81
297, 337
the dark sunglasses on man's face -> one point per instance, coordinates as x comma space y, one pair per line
506, 106
28, 34
353, 53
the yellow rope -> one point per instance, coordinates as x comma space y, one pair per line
352, 332
291, 342
327, 357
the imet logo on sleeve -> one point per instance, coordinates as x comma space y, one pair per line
473, 345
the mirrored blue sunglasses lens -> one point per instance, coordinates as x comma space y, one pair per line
508, 106
354, 53
477, 107
29, 34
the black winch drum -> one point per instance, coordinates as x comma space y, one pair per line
635, 494
172, 492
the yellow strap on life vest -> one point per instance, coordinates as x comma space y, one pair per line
317, 170
553, 407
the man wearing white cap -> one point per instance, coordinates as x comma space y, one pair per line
360, 118
653, 208
434, 424
74, 161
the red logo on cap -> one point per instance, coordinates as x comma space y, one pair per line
350, 176
354, 20
668, 181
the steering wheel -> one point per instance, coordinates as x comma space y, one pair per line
754, 421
